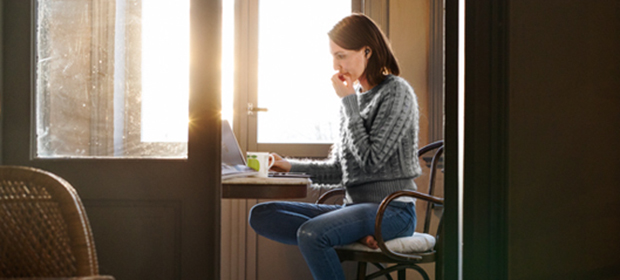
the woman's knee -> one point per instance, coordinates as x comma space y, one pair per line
259, 213
311, 234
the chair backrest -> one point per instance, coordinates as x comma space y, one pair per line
44, 230
432, 203
426, 154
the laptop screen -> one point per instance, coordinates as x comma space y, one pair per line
231, 152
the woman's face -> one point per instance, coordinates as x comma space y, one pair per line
349, 63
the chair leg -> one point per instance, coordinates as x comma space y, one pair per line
421, 271
361, 270
381, 267
401, 271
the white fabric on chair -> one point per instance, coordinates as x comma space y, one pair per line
418, 242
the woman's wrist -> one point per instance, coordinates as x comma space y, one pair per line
350, 105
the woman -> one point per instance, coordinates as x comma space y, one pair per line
375, 155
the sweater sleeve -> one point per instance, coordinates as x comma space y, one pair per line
327, 171
372, 148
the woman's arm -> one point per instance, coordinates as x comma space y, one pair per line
327, 171
395, 116
322, 172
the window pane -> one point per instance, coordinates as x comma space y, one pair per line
228, 60
295, 69
112, 78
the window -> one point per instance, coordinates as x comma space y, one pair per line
294, 71
112, 78
282, 70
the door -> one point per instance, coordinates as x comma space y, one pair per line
153, 216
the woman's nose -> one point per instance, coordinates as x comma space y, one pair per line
336, 65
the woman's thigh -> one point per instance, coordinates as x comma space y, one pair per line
351, 223
280, 220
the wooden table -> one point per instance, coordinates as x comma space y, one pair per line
265, 188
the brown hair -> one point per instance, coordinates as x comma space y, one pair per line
357, 31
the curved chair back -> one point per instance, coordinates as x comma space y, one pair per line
438, 146
44, 230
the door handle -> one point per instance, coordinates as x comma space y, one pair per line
252, 109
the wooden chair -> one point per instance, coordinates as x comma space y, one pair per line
404, 253
44, 230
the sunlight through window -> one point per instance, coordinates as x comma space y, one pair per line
228, 47
165, 70
295, 69
112, 79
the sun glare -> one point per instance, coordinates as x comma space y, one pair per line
165, 70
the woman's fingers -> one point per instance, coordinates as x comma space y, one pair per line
343, 85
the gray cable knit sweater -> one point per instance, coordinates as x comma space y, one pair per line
376, 153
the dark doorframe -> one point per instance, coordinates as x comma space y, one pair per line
447, 267
485, 230
485, 177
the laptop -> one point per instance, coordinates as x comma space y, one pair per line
233, 161
288, 175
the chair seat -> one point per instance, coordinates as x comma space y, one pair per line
418, 242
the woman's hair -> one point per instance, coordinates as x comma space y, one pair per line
357, 31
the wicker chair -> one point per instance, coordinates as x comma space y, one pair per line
44, 231
404, 253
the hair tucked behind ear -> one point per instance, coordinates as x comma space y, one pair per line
358, 31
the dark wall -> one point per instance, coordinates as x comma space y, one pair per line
563, 139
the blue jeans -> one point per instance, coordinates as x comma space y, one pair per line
317, 228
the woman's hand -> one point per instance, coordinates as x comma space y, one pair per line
280, 164
343, 85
